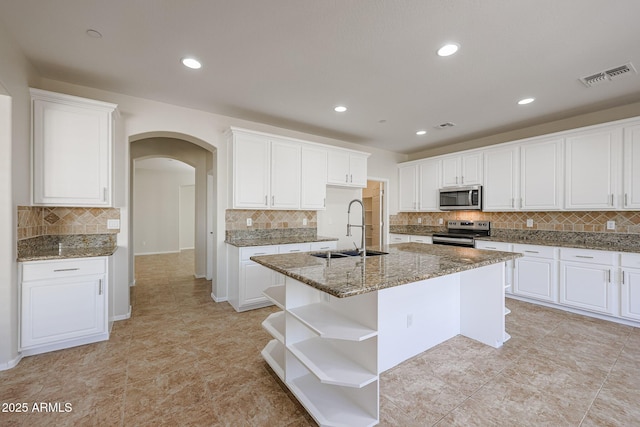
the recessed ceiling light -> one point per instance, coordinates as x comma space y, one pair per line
421, 132
191, 63
340, 109
94, 33
448, 49
526, 101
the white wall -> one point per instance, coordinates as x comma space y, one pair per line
16, 74
156, 212
187, 216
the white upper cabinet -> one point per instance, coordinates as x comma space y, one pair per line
418, 186
72, 150
314, 178
408, 187
592, 169
251, 171
501, 191
285, 175
465, 169
271, 172
266, 173
631, 194
541, 169
346, 168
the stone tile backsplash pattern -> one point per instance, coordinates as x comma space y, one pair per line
588, 221
236, 219
34, 221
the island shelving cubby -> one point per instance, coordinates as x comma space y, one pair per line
325, 349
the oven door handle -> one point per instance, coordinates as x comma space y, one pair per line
456, 240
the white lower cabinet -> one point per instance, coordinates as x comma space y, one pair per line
63, 303
535, 274
630, 286
406, 238
587, 280
325, 349
398, 238
248, 280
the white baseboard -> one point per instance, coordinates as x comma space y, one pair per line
11, 363
156, 253
187, 249
122, 316
65, 344
216, 299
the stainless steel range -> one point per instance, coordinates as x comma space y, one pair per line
462, 233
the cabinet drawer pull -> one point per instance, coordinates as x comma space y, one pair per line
490, 247
294, 250
259, 253
584, 256
66, 269
346, 177
532, 252
351, 178
100, 288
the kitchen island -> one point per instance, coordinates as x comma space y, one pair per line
346, 320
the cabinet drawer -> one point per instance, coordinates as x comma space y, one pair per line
421, 239
535, 250
493, 246
37, 270
586, 255
324, 246
630, 260
398, 238
246, 253
294, 247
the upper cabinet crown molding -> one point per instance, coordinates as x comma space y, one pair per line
273, 172
72, 149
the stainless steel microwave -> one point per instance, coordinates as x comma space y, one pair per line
461, 198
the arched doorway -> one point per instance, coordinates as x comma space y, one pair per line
199, 155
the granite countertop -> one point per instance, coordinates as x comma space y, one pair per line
277, 240
405, 263
66, 246
417, 230
614, 242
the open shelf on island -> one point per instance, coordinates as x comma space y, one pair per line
506, 311
274, 324
276, 294
329, 323
329, 405
331, 366
507, 337
273, 354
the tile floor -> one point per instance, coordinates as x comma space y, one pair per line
184, 360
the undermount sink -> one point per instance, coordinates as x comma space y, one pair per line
346, 254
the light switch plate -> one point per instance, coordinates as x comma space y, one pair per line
419, 220
304, 221
529, 222
113, 224
611, 225
249, 222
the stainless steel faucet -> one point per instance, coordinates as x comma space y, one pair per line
363, 250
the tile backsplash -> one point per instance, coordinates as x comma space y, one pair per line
588, 221
34, 221
236, 219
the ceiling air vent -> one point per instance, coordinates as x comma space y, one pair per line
445, 125
608, 75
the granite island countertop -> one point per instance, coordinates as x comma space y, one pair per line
405, 263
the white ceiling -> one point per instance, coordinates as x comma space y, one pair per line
289, 62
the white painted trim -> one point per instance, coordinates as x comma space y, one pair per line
187, 249
157, 253
11, 363
65, 344
213, 297
122, 316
